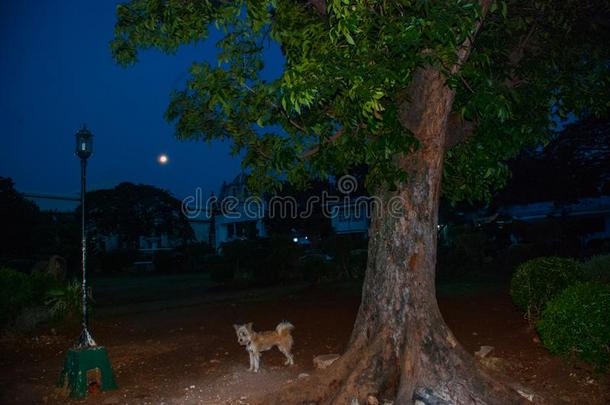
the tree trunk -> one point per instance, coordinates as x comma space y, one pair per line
400, 346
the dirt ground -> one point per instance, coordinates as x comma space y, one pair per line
184, 351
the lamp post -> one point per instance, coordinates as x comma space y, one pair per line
87, 367
84, 149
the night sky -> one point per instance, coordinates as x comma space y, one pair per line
56, 73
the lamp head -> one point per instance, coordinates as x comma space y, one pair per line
84, 143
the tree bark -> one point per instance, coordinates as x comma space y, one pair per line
400, 346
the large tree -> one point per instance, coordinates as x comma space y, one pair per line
424, 93
20, 218
129, 211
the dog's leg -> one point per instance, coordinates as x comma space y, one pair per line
251, 360
257, 361
289, 358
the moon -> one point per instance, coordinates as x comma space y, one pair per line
163, 159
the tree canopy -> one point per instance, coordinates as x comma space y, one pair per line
575, 164
133, 210
347, 63
19, 218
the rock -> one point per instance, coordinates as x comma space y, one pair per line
303, 375
484, 351
325, 360
372, 400
494, 363
111, 400
535, 339
527, 395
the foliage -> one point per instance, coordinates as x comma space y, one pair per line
249, 259
597, 269
65, 301
196, 255
19, 218
19, 291
316, 268
282, 256
465, 253
346, 70
537, 281
577, 322
575, 164
129, 211
15, 293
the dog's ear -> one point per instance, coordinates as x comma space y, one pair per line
236, 327
249, 326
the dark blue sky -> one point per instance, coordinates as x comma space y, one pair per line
56, 73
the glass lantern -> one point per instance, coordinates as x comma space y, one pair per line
84, 143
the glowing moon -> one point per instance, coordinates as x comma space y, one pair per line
163, 159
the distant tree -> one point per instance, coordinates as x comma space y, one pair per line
575, 164
19, 218
133, 210
423, 92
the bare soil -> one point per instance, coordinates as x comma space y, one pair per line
183, 350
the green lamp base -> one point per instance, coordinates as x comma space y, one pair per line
85, 369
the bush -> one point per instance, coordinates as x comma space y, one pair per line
282, 257
15, 293
315, 267
597, 269
539, 280
65, 301
19, 291
577, 322
196, 255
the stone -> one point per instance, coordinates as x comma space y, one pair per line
303, 375
496, 364
325, 360
527, 395
372, 400
484, 351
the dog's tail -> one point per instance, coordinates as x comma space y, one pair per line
283, 328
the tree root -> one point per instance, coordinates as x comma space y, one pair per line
374, 370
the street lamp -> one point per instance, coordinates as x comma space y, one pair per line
84, 149
87, 367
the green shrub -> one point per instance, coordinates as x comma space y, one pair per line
41, 283
65, 301
577, 322
539, 280
15, 293
597, 269
315, 268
